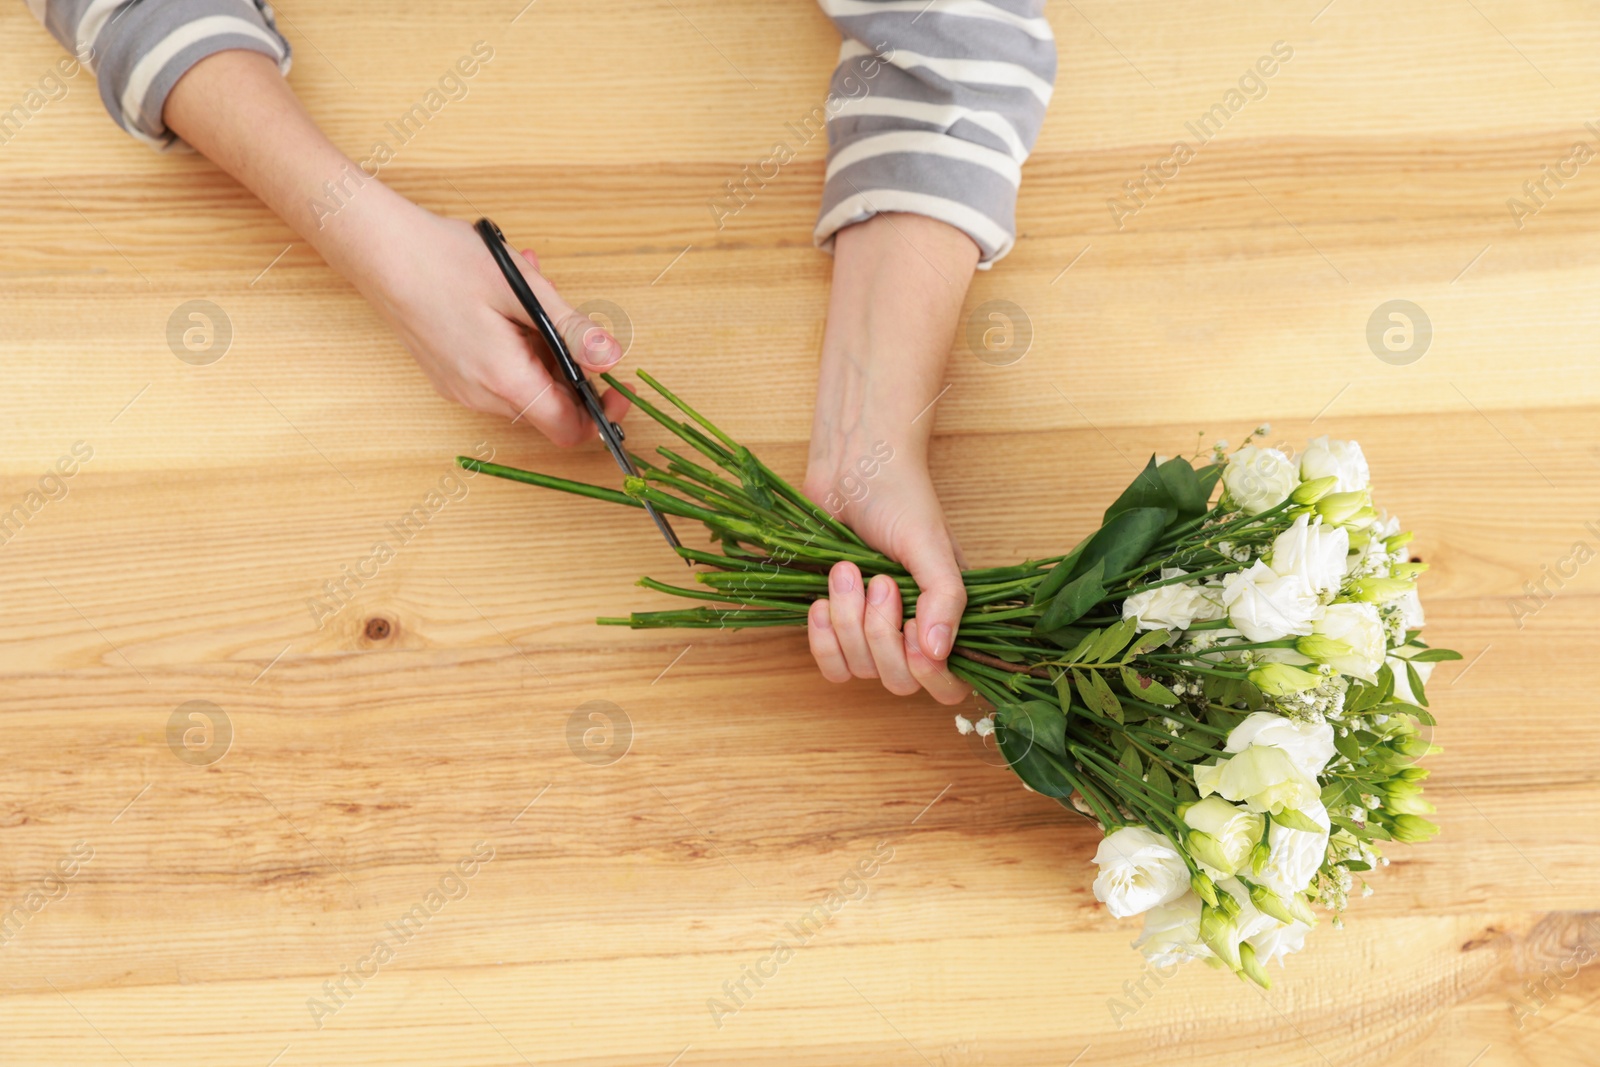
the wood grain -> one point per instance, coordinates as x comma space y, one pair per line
622, 895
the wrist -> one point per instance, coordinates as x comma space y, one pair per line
898, 285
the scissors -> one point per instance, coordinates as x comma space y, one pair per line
610, 432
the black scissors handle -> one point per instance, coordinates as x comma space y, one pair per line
610, 432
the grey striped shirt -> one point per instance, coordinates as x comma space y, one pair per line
932, 109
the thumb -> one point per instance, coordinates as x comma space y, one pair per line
941, 596
590, 344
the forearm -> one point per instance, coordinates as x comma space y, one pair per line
235, 109
898, 286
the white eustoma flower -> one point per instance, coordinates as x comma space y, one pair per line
1313, 552
1262, 778
1171, 933
1350, 638
1295, 855
1139, 869
1309, 745
1173, 607
1265, 605
1225, 835
1278, 941
1336, 459
1259, 478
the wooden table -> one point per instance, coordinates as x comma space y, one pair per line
442, 713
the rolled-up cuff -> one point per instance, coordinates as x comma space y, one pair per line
974, 197
140, 56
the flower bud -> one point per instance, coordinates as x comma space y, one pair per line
1280, 679
1314, 490
1341, 507
1415, 747
1252, 968
1220, 935
1204, 887
1259, 857
1407, 570
1269, 903
1300, 909
1399, 539
1412, 828
1379, 590
1323, 649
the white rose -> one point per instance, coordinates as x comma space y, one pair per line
1350, 638
1279, 941
1295, 855
1265, 605
1225, 835
1309, 745
1139, 869
1312, 551
1336, 459
1262, 778
1171, 933
1259, 478
1172, 607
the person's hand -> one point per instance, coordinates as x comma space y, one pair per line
431, 277
898, 284
449, 304
856, 631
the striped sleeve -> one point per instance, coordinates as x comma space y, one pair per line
138, 49
933, 108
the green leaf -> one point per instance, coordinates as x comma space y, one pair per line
1434, 655
1385, 683
1130, 761
1416, 684
1357, 865
1294, 820
1143, 688
1183, 487
1112, 640
1147, 490
1158, 780
1337, 794
1123, 541
1209, 475
1361, 697
1347, 746
1036, 720
1029, 762
1076, 638
1147, 641
1075, 598
1097, 695
1183, 791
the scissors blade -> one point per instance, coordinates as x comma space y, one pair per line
611, 434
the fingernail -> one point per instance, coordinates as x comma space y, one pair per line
602, 348
877, 591
939, 641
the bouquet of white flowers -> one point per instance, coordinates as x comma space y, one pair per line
1233, 691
